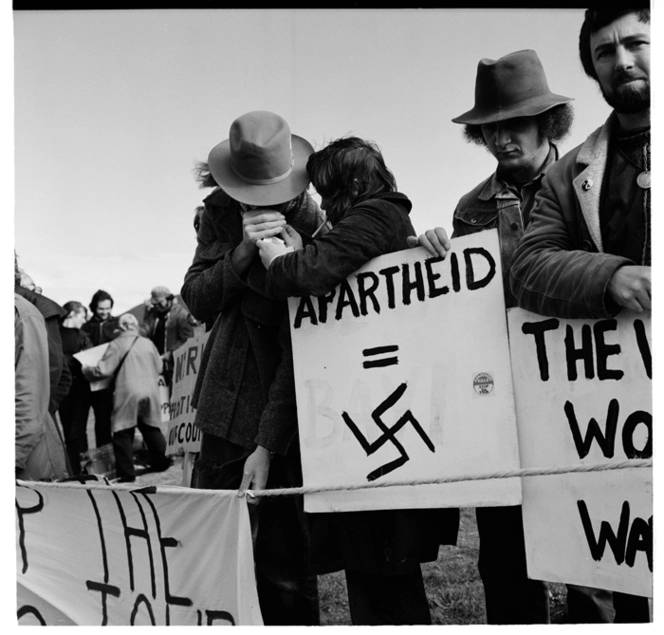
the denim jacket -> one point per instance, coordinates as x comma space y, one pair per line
496, 204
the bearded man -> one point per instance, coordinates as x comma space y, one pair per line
586, 253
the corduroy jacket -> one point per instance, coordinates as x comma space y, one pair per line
560, 267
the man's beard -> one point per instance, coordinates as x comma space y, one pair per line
628, 100
510, 171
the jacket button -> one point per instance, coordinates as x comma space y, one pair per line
514, 226
473, 220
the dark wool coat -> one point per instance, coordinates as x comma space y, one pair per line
245, 391
59, 375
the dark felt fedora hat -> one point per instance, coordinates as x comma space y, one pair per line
513, 86
261, 163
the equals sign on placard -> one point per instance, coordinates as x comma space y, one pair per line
382, 361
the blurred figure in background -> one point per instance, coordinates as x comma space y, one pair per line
168, 325
52, 312
39, 453
134, 363
100, 329
75, 406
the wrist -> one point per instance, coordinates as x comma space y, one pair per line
261, 449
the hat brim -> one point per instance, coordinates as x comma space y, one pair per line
261, 195
528, 108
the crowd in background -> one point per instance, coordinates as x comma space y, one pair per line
56, 393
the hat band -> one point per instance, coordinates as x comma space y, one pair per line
275, 179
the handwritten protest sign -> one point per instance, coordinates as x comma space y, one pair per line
111, 556
91, 357
402, 372
182, 435
583, 395
164, 401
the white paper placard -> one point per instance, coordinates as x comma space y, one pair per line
402, 373
584, 396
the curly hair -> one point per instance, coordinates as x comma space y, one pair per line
98, 297
553, 124
348, 171
596, 19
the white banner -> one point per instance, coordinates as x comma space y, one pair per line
584, 395
402, 373
114, 556
182, 435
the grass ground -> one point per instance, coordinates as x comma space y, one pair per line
453, 585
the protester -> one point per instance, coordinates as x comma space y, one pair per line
59, 375
168, 325
586, 253
101, 329
134, 363
380, 551
39, 453
244, 394
75, 406
520, 134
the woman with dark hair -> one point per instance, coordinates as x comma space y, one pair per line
380, 551
75, 406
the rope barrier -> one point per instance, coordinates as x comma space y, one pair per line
296, 491
523, 472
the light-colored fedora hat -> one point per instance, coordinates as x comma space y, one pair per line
513, 86
261, 163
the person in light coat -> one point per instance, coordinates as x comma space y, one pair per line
38, 452
136, 396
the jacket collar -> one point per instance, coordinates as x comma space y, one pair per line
593, 154
495, 185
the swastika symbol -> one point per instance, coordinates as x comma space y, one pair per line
389, 434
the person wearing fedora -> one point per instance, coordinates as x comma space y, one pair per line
380, 551
518, 119
245, 391
586, 253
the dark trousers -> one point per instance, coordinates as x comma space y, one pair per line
588, 605
102, 406
511, 598
287, 591
375, 599
123, 448
73, 411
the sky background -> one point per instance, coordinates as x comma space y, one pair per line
113, 108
